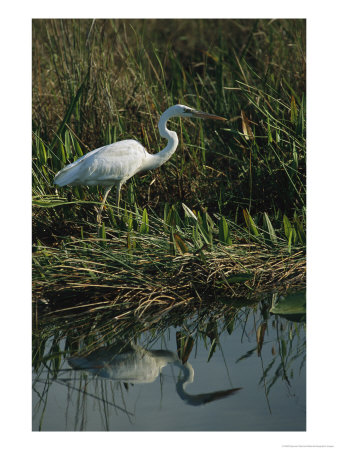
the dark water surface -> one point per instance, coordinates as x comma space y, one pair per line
180, 378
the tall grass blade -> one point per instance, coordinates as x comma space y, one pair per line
180, 244
144, 228
247, 131
69, 111
287, 227
294, 111
188, 212
250, 223
272, 233
224, 232
300, 229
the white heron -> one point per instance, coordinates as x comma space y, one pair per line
137, 365
115, 163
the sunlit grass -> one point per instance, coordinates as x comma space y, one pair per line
229, 203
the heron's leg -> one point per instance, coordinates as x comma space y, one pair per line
106, 192
118, 196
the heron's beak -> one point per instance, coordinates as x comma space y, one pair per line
203, 115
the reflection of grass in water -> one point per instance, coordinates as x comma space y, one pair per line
58, 337
107, 395
288, 347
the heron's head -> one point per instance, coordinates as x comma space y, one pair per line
186, 111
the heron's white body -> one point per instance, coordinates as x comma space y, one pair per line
114, 164
109, 165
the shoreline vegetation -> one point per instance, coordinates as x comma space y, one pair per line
225, 217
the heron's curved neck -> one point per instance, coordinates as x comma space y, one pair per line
161, 157
188, 377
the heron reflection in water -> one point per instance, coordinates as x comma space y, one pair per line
137, 365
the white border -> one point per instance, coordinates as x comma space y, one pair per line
16, 218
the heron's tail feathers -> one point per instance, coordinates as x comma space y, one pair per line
65, 176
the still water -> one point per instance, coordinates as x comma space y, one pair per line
241, 370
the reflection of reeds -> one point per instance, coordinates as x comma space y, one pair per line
282, 338
58, 336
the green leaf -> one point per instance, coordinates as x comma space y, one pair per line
78, 149
250, 223
295, 155
130, 222
144, 228
208, 223
102, 231
300, 230
196, 236
294, 111
223, 231
290, 242
205, 225
239, 278
287, 226
206, 236
131, 243
42, 153
272, 233
44, 170
172, 217
188, 212
47, 204
172, 246
180, 244
270, 138
166, 212
62, 152
294, 236
67, 145
80, 192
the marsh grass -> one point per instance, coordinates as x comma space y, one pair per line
230, 202
140, 260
